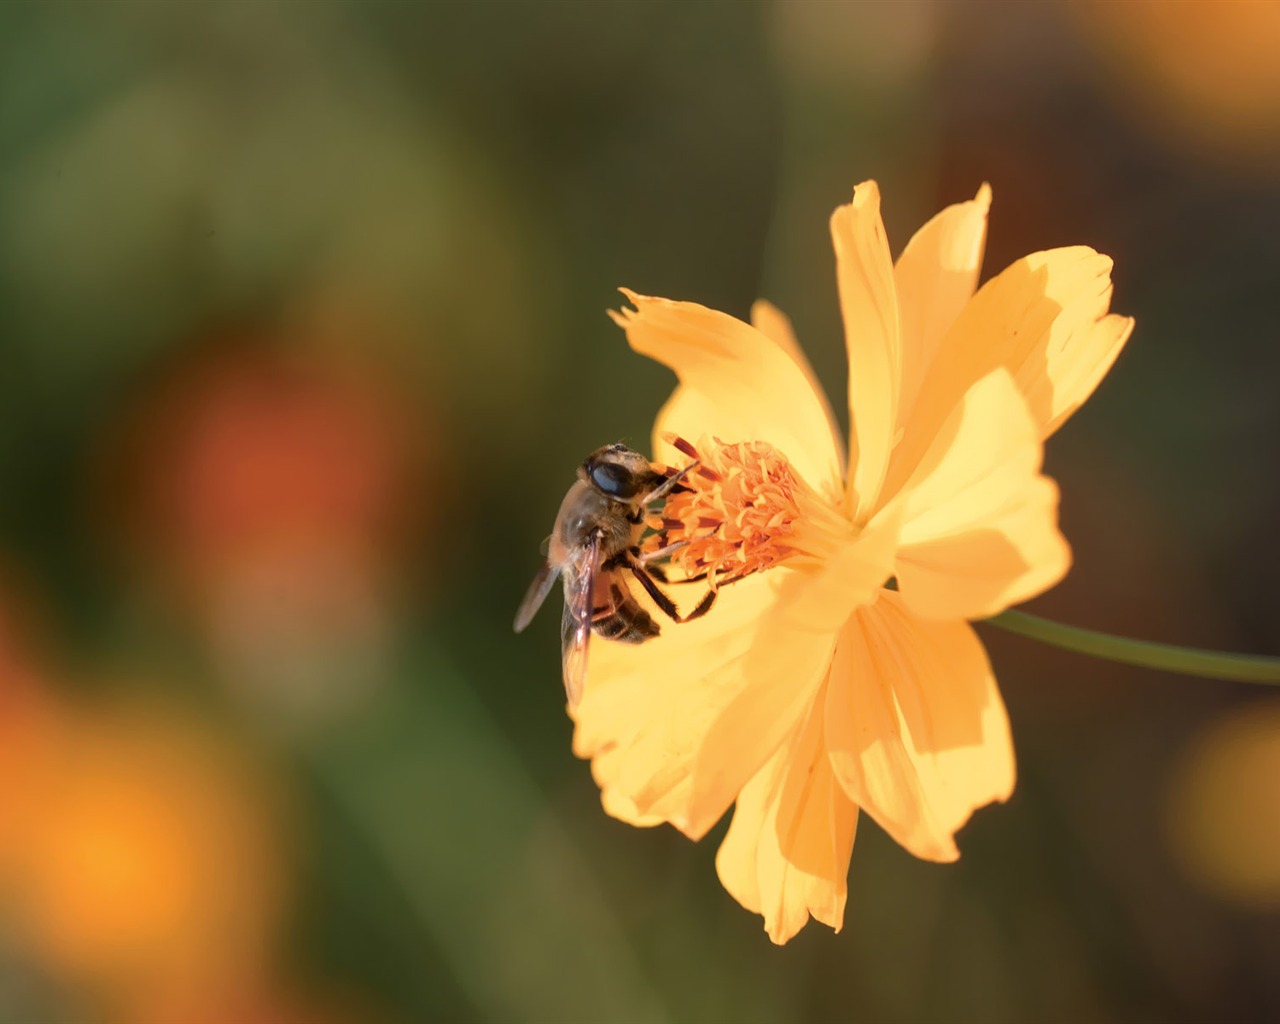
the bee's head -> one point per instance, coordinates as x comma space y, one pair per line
617, 472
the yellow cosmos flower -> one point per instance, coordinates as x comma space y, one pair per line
811, 690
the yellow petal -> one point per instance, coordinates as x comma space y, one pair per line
745, 386
1045, 320
775, 325
675, 727
786, 854
915, 728
935, 276
690, 414
822, 600
618, 805
869, 306
979, 523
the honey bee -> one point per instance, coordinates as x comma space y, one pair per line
594, 547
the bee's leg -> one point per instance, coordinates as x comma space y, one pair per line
667, 485
662, 575
656, 571
665, 603
663, 552
702, 607
641, 573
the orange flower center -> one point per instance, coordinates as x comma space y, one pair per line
741, 509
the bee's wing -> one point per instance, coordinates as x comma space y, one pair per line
537, 593
575, 624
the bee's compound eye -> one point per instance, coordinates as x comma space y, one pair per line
614, 480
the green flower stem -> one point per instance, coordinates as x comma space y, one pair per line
1165, 657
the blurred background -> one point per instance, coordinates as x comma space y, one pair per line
302, 335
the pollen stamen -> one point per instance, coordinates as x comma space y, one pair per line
743, 510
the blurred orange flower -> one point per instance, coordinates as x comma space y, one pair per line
151, 869
812, 691
1204, 73
275, 485
1223, 808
